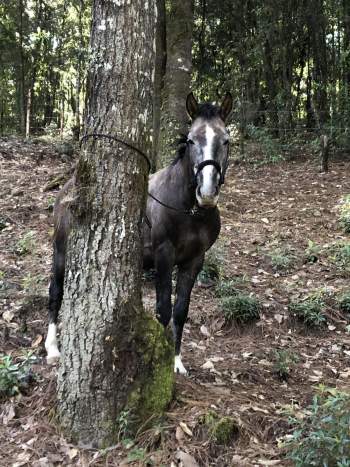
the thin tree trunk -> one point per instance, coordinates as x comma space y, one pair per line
22, 72
29, 104
179, 20
160, 64
115, 357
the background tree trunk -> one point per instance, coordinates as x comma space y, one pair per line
160, 64
115, 357
179, 21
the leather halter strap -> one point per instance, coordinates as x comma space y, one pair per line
204, 164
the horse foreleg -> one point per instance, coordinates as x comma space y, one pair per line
55, 300
164, 263
187, 274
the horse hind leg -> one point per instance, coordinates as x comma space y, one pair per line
187, 275
55, 300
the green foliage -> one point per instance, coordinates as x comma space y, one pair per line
321, 436
237, 306
32, 284
344, 302
15, 376
340, 255
240, 308
137, 454
281, 259
270, 147
221, 430
123, 423
312, 252
344, 217
50, 203
284, 360
2, 280
309, 311
226, 288
26, 245
211, 269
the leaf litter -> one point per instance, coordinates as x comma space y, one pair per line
257, 212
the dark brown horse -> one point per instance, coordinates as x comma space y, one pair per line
182, 220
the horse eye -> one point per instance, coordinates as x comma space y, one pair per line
189, 141
225, 143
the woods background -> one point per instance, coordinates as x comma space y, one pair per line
286, 63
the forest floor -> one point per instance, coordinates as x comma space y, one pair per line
267, 211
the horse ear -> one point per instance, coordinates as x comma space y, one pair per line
191, 105
226, 106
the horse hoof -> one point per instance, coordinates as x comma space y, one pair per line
178, 366
53, 357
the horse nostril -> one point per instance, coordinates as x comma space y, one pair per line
216, 190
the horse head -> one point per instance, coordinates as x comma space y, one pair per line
208, 145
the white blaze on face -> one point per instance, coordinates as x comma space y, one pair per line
208, 172
53, 354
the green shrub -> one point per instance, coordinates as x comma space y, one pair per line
344, 218
284, 362
321, 436
271, 147
344, 302
240, 308
226, 288
341, 256
211, 269
281, 259
32, 284
15, 377
309, 311
312, 252
26, 244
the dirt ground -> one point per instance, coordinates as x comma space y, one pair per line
231, 368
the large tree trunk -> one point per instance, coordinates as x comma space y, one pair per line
115, 357
179, 24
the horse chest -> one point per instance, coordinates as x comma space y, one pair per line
193, 239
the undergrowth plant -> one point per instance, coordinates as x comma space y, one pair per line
15, 376
237, 306
340, 255
312, 252
344, 302
310, 311
26, 244
321, 436
32, 284
284, 361
211, 269
344, 218
282, 259
270, 147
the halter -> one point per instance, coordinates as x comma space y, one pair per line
204, 164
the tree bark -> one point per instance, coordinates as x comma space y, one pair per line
179, 20
160, 66
115, 357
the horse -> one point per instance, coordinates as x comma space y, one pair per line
182, 220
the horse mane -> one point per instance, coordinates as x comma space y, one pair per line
181, 144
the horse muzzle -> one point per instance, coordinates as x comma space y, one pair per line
207, 200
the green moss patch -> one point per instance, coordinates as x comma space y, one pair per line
153, 390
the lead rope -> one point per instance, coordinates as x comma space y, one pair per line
191, 212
